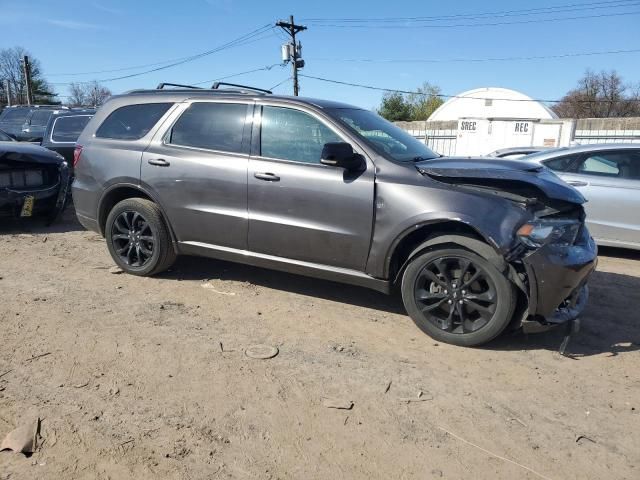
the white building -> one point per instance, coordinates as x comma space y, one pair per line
482, 120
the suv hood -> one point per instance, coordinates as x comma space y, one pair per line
521, 180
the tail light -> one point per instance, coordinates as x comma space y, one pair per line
76, 155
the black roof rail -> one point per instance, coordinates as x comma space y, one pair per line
216, 86
162, 85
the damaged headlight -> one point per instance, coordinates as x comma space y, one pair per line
541, 232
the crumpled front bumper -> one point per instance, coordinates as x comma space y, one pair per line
54, 197
557, 280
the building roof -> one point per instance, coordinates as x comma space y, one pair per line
492, 102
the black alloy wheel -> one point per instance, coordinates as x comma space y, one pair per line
132, 238
138, 238
457, 296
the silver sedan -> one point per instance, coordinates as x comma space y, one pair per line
608, 175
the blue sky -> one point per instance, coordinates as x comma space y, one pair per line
70, 36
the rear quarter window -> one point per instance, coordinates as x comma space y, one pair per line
132, 121
68, 129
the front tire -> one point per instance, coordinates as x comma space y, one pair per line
138, 238
457, 296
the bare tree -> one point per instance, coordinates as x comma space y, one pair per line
11, 70
87, 94
77, 96
600, 95
97, 94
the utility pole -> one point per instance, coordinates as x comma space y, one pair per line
7, 89
294, 49
27, 78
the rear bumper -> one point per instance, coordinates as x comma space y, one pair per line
558, 277
88, 223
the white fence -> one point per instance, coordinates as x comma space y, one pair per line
481, 136
607, 130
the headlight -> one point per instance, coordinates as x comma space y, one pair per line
541, 232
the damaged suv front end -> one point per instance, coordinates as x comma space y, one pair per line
551, 254
34, 181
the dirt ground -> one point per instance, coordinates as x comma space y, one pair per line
130, 381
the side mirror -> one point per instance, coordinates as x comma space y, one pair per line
341, 154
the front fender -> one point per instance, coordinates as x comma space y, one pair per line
418, 206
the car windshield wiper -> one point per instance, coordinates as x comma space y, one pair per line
419, 159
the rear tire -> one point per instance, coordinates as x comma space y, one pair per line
458, 297
138, 237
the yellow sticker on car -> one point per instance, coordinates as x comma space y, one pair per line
27, 206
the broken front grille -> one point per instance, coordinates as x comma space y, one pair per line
23, 178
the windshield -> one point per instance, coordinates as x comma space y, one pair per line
383, 136
4, 137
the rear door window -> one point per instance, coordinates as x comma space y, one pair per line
68, 129
132, 122
213, 126
621, 164
40, 118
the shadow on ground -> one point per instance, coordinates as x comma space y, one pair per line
67, 222
195, 268
614, 252
608, 325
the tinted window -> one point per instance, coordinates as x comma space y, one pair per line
293, 135
68, 129
40, 118
4, 137
132, 122
614, 164
214, 126
15, 116
562, 164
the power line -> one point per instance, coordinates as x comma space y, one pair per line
477, 60
268, 67
491, 24
281, 83
257, 31
499, 13
440, 95
251, 37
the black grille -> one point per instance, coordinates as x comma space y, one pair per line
23, 178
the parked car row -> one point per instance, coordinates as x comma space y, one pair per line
34, 180
27, 123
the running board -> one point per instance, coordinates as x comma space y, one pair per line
299, 267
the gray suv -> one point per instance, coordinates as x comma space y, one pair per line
332, 191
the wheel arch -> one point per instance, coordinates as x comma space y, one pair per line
119, 192
446, 232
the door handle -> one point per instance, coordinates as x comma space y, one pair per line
269, 177
158, 162
577, 183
